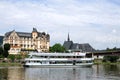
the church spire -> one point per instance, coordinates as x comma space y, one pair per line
68, 37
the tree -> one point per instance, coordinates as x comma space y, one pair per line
12, 57
1, 52
6, 48
113, 49
57, 48
111, 58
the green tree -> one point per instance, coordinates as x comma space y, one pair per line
57, 48
18, 56
1, 52
5, 53
112, 49
12, 57
111, 58
6, 48
107, 49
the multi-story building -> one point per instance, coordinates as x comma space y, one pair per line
27, 41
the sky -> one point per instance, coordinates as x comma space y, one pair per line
96, 22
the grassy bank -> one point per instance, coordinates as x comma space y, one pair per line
10, 64
108, 63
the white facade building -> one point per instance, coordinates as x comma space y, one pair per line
27, 41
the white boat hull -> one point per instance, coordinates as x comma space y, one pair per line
57, 65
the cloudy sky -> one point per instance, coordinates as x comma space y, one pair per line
96, 22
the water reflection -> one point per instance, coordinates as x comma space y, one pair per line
97, 72
57, 73
112, 70
12, 73
107, 72
3, 74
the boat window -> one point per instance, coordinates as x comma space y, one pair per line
88, 61
78, 56
60, 62
52, 56
78, 61
46, 56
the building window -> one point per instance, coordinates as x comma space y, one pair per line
21, 45
15, 44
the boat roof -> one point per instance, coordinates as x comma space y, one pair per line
58, 54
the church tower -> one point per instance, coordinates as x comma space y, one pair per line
68, 39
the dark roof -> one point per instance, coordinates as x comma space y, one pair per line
85, 47
68, 44
75, 46
8, 33
34, 30
48, 37
24, 34
39, 34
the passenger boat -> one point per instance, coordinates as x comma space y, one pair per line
58, 60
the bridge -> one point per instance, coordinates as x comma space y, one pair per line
101, 54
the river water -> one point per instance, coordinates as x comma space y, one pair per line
96, 72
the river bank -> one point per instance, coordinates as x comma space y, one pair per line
10, 64
106, 63
100, 61
3, 64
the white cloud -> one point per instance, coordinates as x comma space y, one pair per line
95, 21
114, 31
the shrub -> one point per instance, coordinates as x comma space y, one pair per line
110, 58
